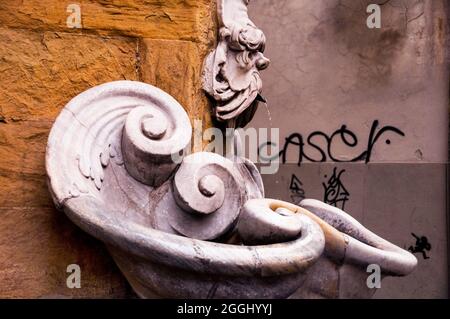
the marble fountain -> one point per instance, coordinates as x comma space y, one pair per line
198, 225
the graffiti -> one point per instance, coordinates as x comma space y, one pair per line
297, 191
305, 148
335, 192
422, 245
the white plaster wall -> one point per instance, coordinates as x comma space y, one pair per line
329, 69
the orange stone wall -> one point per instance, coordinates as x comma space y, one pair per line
43, 64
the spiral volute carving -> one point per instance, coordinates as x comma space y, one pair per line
154, 140
210, 191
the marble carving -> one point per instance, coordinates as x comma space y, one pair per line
183, 225
231, 72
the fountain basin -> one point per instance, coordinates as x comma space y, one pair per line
342, 270
183, 225
166, 227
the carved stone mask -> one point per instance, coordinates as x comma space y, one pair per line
231, 74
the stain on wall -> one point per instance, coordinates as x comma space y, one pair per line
335, 78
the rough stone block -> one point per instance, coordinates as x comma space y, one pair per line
34, 257
176, 67
41, 72
169, 19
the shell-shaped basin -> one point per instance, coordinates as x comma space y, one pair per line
118, 165
343, 269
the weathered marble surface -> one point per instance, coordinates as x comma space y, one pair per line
143, 222
197, 225
350, 248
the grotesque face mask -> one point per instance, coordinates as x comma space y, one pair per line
231, 74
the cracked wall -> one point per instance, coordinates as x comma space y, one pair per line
329, 69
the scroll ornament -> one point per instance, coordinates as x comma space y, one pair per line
197, 225
194, 225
